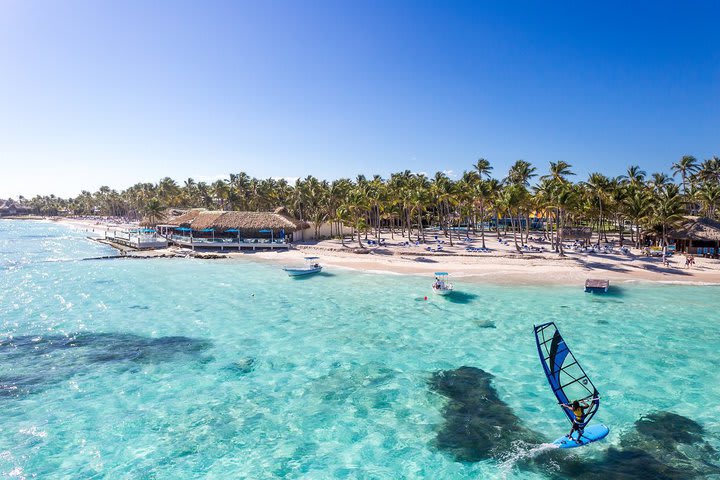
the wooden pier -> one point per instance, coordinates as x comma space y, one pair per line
223, 244
594, 285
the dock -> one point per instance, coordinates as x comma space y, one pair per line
137, 239
223, 244
594, 285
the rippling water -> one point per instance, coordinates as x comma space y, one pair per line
178, 368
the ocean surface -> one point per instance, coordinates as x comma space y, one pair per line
183, 368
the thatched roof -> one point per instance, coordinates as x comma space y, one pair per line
697, 228
570, 233
200, 219
10, 207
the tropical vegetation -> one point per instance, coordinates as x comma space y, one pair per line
634, 205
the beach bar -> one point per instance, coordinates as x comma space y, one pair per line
220, 230
697, 236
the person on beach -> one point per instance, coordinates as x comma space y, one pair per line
578, 409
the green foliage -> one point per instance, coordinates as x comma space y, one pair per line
409, 202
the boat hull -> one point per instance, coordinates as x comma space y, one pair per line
442, 291
299, 272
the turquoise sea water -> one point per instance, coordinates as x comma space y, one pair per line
179, 368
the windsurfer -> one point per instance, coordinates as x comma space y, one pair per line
578, 424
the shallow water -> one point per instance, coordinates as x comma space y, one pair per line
179, 368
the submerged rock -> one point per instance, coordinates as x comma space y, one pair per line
478, 425
33, 363
664, 445
241, 367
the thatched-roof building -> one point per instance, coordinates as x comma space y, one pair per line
697, 235
10, 208
246, 223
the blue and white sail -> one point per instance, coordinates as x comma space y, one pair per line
567, 378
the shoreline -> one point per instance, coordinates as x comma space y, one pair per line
502, 266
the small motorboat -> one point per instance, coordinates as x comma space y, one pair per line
311, 266
442, 285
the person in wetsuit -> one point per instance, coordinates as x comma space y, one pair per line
578, 409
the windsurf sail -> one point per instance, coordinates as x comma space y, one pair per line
567, 378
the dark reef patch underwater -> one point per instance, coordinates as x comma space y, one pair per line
480, 426
62, 356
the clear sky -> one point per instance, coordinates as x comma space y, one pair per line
114, 92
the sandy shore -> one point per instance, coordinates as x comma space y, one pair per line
505, 267
503, 264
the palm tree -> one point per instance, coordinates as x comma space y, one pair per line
634, 176
658, 181
520, 173
551, 187
668, 209
483, 168
685, 167
154, 212
510, 202
419, 199
220, 193
637, 207
483, 194
709, 170
559, 171
356, 205
565, 196
709, 196
596, 185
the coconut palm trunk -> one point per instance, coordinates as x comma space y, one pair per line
482, 225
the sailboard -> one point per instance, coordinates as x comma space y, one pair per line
568, 382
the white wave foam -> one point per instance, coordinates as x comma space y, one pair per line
521, 451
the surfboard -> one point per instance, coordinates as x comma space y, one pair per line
591, 434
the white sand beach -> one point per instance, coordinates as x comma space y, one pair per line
502, 264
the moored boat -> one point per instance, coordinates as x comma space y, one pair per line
312, 266
442, 286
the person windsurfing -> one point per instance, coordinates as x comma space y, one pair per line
578, 409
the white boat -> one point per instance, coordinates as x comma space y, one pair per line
312, 266
442, 286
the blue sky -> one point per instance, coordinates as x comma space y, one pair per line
110, 93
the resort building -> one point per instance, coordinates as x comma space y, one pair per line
698, 236
9, 208
229, 230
